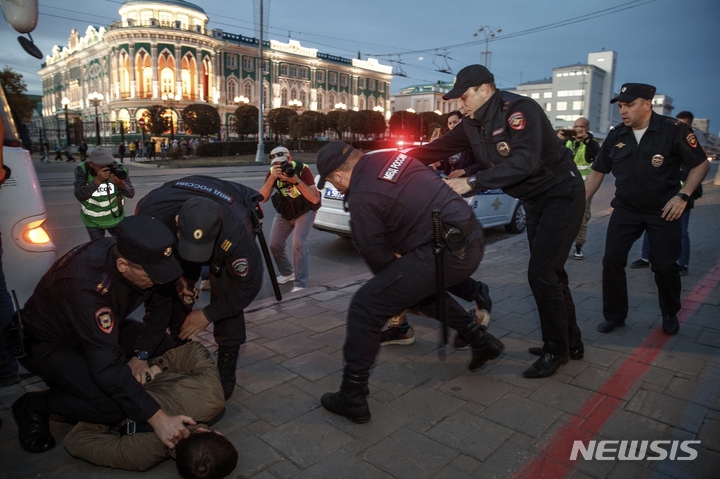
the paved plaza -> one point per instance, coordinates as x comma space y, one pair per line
432, 418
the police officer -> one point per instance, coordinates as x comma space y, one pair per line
73, 326
519, 152
212, 219
645, 154
391, 198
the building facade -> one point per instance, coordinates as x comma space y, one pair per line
160, 52
422, 98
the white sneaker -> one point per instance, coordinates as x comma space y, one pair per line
205, 285
284, 279
296, 289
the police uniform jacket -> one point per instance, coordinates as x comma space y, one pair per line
189, 384
391, 197
648, 175
236, 252
79, 304
513, 141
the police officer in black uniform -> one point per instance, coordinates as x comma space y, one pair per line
73, 334
391, 198
519, 151
212, 219
645, 154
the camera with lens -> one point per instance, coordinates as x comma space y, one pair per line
118, 171
287, 169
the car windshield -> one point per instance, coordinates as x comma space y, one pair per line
11, 135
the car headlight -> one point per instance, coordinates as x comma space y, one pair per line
35, 234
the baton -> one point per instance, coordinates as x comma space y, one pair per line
257, 229
439, 250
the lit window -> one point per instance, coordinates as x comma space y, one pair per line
535, 95
547, 94
577, 105
548, 106
561, 106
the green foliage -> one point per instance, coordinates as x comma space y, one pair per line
230, 148
405, 124
369, 123
157, 119
307, 125
201, 119
279, 121
15, 89
348, 121
430, 121
246, 120
333, 121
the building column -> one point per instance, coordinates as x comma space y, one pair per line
132, 70
198, 75
313, 88
354, 92
154, 68
178, 70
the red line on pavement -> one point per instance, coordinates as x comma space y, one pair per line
589, 419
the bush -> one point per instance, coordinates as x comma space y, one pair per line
174, 152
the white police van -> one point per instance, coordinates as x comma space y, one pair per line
28, 251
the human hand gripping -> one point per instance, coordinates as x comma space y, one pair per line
141, 370
194, 323
459, 185
170, 429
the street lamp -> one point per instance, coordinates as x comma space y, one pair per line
95, 98
65, 102
340, 106
242, 99
295, 104
170, 99
489, 33
379, 109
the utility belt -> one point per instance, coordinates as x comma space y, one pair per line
458, 237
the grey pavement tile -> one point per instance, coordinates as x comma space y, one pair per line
408, 455
523, 324
294, 345
464, 463
636, 470
510, 371
332, 337
253, 352
396, 378
446, 369
697, 350
427, 404
521, 415
471, 435
263, 375
307, 439
710, 339
262, 316
254, 455
356, 446
420, 349
326, 296
319, 322
278, 329
385, 420
680, 361
342, 465
506, 461
284, 470
280, 404
705, 465
594, 379
477, 388
703, 390
304, 310
669, 410
450, 472
313, 365
338, 305
710, 434
236, 416
259, 427
623, 425
600, 356
564, 397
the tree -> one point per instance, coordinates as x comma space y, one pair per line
405, 124
370, 123
201, 119
430, 121
332, 120
15, 89
309, 124
279, 121
246, 120
157, 119
348, 121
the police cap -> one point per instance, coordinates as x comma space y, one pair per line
330, 157
148, 243
199, 224
631, 91
470, 76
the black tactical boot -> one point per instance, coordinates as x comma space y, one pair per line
484, 345
32, 415
227, 364
350, 401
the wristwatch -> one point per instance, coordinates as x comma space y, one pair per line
472, 182
142, 355
683, 196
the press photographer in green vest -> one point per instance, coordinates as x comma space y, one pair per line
101, 185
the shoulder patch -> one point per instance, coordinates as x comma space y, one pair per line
104, 320
691, 140
394, 168
673, 121
516, 121
65, 259
103, 286
241, 267
497, 131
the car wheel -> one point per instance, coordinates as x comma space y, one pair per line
517, 225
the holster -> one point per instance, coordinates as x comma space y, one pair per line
15, 337
456, 237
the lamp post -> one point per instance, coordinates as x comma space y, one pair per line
295, 104
340, 106
242, 99
489, 33
170, 99
65, 102
95, 98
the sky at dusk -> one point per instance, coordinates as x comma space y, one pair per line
668, 43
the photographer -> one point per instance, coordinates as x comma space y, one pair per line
101, 186
585, 148
296, 200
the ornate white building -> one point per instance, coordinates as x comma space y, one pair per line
162, 48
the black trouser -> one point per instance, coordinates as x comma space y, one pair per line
553, 221
404, 283
624, 228
73, 393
